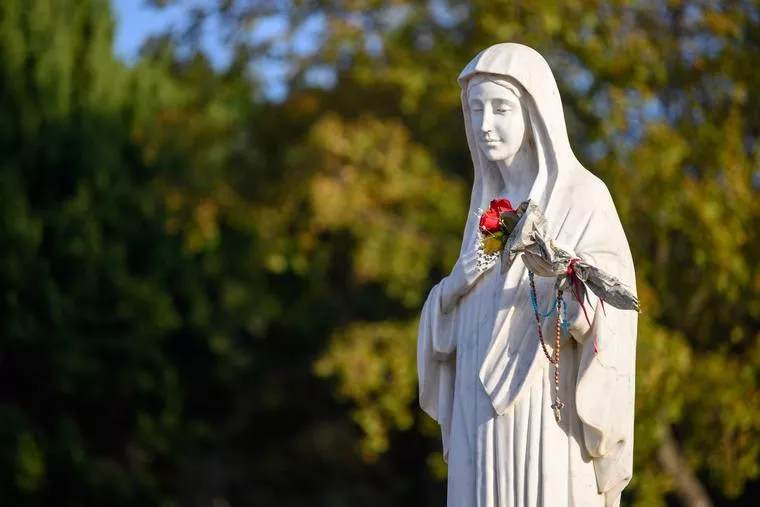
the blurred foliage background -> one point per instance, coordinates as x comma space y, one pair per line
209, 297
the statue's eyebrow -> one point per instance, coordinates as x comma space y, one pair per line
510, 101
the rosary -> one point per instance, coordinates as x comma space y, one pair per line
562, 325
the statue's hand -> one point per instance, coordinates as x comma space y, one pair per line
463, 277
555, 265
538, 265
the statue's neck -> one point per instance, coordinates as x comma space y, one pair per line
518, 174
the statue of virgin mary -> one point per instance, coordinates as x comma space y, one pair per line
482, 374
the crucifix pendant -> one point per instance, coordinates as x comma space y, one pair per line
557, 406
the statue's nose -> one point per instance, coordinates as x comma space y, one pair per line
487, 122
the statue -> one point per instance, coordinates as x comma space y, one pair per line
513, 434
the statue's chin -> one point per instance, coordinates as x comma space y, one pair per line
497, 154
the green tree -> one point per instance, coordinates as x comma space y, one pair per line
117, 357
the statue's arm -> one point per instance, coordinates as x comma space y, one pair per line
437, 334
463, 277
606, 375
597, 247
435, 364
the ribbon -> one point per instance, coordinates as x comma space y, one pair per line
577, 287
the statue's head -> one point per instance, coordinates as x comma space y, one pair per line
511, 104
497, 116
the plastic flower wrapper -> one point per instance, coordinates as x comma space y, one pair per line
531, 239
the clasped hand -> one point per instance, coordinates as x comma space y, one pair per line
463, 277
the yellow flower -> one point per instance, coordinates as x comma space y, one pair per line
493, 244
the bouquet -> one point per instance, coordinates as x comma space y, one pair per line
498, 222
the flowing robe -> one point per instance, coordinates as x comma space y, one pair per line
484, 378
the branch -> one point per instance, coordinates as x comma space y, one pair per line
688, 489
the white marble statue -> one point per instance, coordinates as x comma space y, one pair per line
483, 376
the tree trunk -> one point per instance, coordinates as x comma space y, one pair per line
688, 489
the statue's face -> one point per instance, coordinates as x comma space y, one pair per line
497, 118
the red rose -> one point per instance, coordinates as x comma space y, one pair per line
489, 221
501, 205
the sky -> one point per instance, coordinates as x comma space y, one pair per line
136, 22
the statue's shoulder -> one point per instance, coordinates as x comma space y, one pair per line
589, 191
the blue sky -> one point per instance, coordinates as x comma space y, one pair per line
136, 22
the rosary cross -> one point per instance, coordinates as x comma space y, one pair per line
557, 406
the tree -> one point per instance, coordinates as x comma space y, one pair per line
114, 363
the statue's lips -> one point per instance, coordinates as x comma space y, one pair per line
492, 143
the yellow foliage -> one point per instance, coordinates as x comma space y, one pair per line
375, 365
